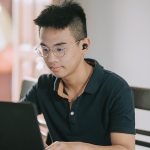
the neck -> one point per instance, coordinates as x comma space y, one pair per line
79, 79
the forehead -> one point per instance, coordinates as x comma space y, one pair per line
55, 35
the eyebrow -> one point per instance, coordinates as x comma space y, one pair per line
57, 44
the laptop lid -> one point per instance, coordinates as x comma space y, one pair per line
19, 128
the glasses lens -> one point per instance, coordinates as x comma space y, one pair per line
59, 51
42, 51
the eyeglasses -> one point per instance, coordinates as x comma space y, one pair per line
58, 51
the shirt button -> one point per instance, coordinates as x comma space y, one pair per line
72, 113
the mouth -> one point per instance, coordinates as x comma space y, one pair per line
55, 69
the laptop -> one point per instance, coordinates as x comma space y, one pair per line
19, 129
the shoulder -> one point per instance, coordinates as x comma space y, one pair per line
107, 78
115, 86
45, 80
114, 80
118, 90
106, 81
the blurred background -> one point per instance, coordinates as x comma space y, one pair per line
18, 37
119, 32
6, 52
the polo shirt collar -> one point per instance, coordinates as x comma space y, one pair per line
96, 77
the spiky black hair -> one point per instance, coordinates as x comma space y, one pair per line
67, 14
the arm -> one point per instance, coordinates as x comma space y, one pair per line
120, 141
33, 93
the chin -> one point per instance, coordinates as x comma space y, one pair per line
58, 75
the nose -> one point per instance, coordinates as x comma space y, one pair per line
51, 57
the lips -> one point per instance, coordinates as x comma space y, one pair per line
55, 69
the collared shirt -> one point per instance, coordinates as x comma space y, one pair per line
60, 87
105, 106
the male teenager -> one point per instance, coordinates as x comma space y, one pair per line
85, 106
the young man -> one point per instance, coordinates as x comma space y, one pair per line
85, 106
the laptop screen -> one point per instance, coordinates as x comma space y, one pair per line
19, 128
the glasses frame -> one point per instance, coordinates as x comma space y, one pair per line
51, 50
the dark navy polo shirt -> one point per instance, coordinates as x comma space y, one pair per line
105, 106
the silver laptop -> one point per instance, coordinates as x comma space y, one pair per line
19, 129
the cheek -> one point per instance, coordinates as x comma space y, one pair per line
68, 59
72, 60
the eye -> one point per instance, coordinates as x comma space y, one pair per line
59, 49
44, 49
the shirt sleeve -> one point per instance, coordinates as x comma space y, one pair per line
31, 96
122, 115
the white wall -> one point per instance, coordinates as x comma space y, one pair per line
120, 37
